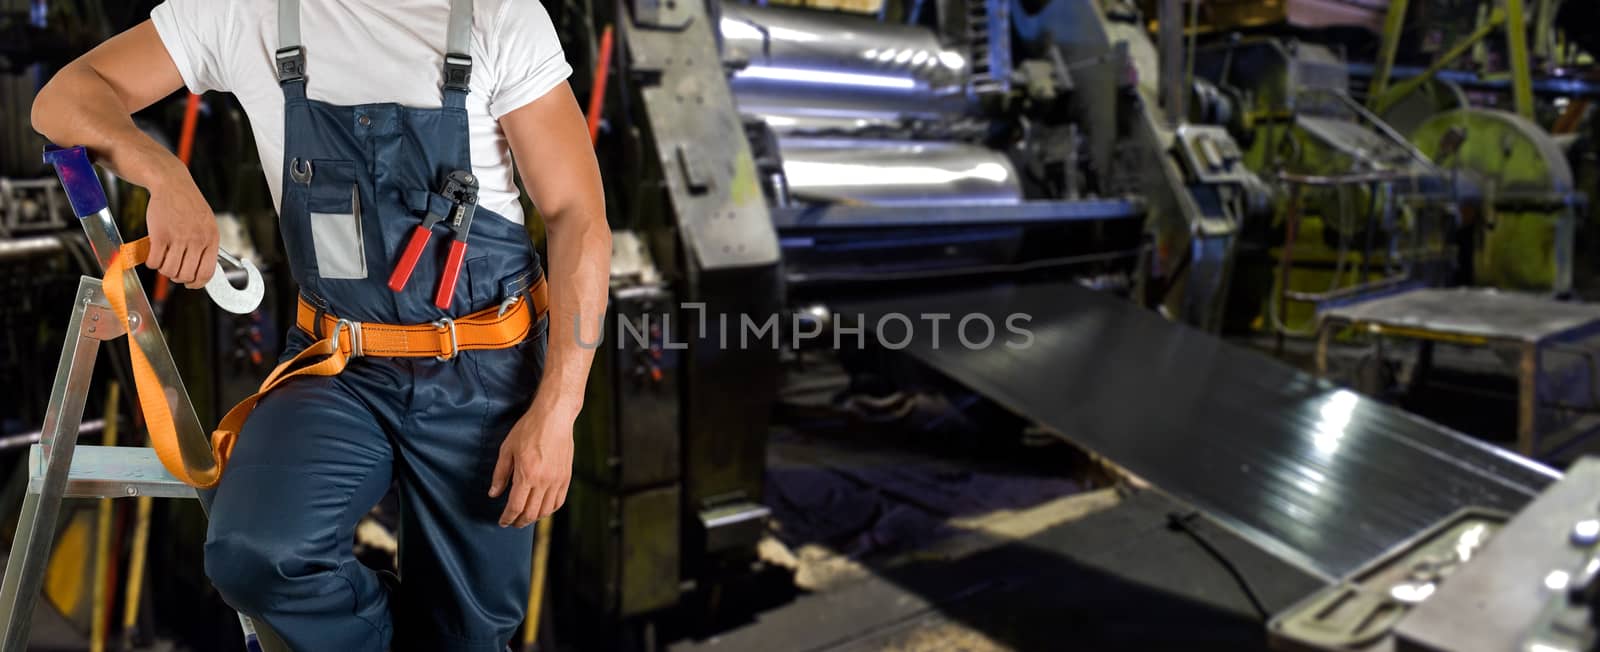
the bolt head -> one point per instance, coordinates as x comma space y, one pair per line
1586, 532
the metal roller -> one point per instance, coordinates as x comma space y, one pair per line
813, 64
897, 173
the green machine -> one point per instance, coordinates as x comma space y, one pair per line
1517, 190
1433, 192
1356, 206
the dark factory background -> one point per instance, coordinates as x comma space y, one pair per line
1094, 325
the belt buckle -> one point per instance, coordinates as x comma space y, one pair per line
355, 336
444, 324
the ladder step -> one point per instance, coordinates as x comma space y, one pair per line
112, 472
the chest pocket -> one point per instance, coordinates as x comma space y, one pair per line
334, 206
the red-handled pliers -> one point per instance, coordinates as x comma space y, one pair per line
461, 188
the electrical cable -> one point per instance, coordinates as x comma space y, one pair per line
1181, 523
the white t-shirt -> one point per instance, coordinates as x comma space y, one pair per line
367, 52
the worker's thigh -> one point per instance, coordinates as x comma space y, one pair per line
312, 460
463, 578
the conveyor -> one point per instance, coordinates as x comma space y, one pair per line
1318, 475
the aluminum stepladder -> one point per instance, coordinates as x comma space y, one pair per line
57, 467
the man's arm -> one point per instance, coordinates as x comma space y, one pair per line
90, 103
551, 144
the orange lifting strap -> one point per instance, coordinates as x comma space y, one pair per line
494, 328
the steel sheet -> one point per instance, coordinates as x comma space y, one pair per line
1318, 475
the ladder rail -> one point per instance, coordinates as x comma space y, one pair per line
25, 566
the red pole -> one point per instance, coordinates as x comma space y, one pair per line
191, 118
597, 94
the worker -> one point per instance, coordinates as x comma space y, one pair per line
372, 118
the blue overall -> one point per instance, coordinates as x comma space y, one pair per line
319, 452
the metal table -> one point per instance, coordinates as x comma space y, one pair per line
1526, 324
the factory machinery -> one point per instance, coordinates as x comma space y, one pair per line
830, 171
1432, 192
790, 159
790, 178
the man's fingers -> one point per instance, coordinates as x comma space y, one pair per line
558, 497
552, 502
172, 267
189, 270
158, 255
536, 498
205, 268
502, 474
516, 502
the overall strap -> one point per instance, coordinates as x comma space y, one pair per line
290, 57
457, 55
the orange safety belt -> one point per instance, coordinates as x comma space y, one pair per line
494, 328
157, 415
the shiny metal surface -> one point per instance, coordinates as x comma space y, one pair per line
897, 173
237, 300
1476, 312
837, 216
838, 66
796, 120
112, 472
1360, 611
30, 438
194, 442
1497, 601
36, 527
1315, 474
29, 246
58, 468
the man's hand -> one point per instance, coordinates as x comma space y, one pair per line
536, 460
89, 103
183, 231
551, 144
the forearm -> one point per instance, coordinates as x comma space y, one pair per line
579, 277
79, 107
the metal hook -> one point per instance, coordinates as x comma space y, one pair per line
238, 300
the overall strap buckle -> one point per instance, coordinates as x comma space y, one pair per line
457, 72
291, 63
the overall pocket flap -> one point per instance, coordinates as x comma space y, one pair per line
422, 202
332, 187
